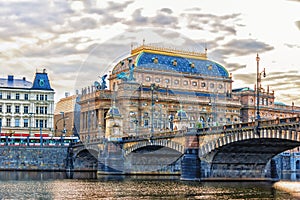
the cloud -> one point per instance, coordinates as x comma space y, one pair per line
84, 23
163, 18
232, 67
248, 79
298, 24
211, 23
292, 45
241, 47
166, 10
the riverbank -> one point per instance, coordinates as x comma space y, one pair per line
289, 186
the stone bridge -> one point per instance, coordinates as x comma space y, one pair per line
231, 151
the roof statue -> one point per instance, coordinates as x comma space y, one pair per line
127, 77
101, 86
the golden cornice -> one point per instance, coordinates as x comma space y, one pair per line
168, 51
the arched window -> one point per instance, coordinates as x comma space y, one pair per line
297, 164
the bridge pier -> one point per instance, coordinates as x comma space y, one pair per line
190, 163
111, 160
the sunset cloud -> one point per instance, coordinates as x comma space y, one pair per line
77, 41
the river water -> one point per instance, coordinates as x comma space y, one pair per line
54, 185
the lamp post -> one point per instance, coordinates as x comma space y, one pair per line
153, 87
213, 108
30, 116
134, 120
64, 123
258, 86
171, 119
89, 122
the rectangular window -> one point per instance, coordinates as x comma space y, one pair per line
46, 110
8, 122
8, 96
146, 123
25, 109
45, 123
0, 95
25, 96
0, 108
8, 108
41, 123
41, 110
17, 109
17, 122
36, 123
41, 97
46, 97
37, 110
37, 97
25, 123
0, 122
17, 96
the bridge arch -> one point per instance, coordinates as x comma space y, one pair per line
250, 134
246, 152
85, 157
163, 143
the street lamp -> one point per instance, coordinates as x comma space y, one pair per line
153, 87
30, 116
213, 109
258, 86
64, 123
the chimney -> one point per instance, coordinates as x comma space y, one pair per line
24, 78
10, 78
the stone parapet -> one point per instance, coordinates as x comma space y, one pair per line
33, 158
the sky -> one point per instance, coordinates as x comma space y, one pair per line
78, 41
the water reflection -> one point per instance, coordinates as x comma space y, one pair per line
54, 185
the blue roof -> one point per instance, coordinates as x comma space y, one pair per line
279, 104
10, 82
184, 65
242, 89
41, 82
113, 112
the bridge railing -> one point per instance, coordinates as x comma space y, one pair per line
246, 125
157, 135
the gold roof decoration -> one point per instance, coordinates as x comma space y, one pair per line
168, 51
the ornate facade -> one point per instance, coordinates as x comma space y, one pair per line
269, 108
150, 89
158, 89
26, 107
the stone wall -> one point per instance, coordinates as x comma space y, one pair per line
33, 158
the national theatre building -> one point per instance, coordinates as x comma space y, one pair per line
159, 89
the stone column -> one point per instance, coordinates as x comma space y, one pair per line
274, 174
190, 163
111, 160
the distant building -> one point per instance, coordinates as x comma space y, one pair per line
66, 116
156, 89
269, 108
26, 107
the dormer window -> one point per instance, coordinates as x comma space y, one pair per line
174, 62
155, 60
192, 65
